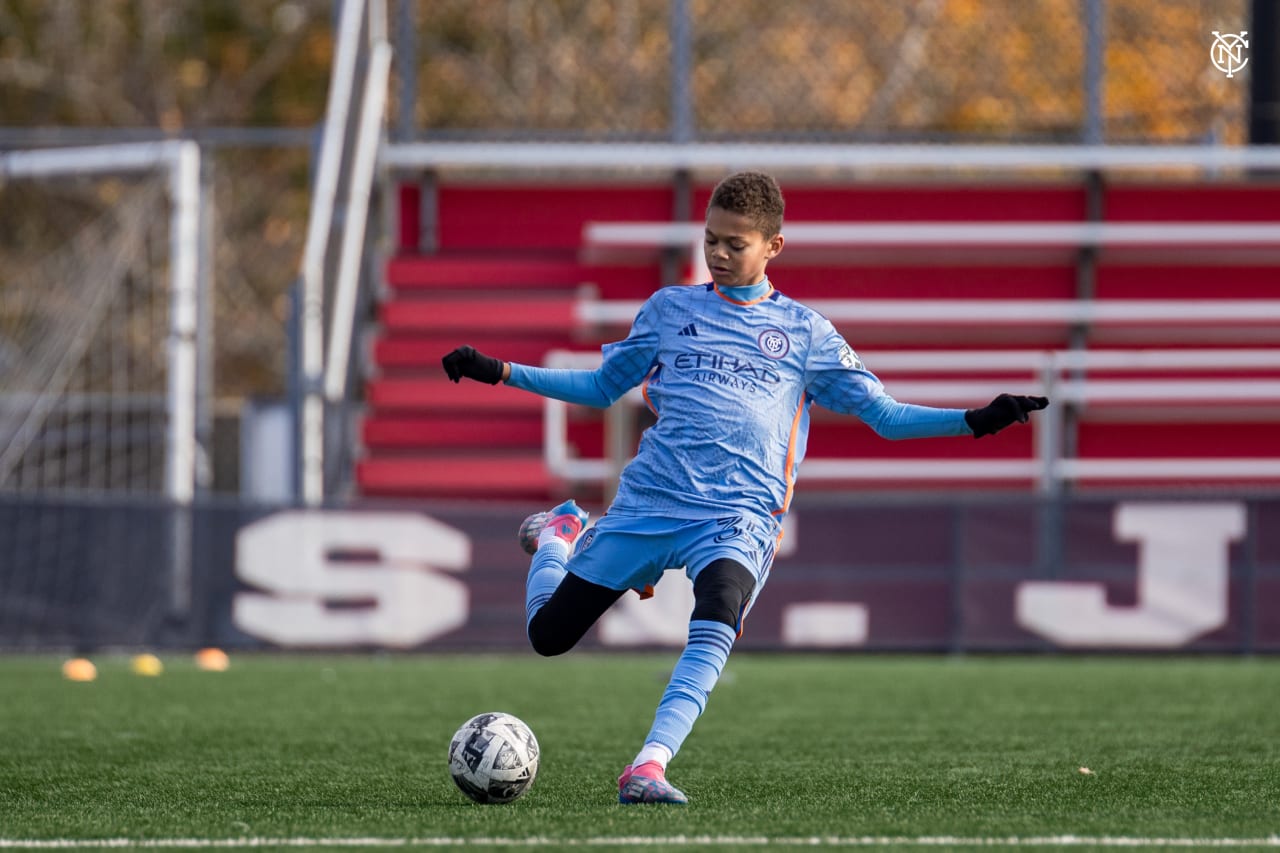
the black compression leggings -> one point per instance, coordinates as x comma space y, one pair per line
572, 609
720, 594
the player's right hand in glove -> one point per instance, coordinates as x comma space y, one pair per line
1003, 411
469, 362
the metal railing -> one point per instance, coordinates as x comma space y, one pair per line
826, 159
1212, 315
1068, 377
325, 374
856, 241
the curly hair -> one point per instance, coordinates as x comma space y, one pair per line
754, 195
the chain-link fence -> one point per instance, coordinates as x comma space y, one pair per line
857, 70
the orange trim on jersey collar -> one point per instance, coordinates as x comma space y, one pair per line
728, 298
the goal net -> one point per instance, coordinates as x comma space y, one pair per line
87, 326
99, 338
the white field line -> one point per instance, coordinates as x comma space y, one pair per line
643, 841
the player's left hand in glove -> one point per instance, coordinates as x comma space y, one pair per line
1003, 411
469, 362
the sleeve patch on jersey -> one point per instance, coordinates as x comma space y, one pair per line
849, 358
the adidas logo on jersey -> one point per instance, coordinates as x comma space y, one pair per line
689, 330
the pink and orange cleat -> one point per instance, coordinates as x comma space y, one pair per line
648, 784
564, 522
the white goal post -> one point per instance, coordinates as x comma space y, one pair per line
180, 161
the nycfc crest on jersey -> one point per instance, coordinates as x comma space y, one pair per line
774, 343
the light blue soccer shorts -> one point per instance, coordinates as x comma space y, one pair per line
632, 552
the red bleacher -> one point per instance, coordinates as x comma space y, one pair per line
509, 271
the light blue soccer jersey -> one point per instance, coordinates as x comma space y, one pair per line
731, 383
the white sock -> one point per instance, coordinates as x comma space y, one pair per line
653, 752
548, 537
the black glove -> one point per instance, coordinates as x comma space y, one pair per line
467, 361
1003, 411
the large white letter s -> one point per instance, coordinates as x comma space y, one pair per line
389, 587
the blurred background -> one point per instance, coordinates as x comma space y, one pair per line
371, 182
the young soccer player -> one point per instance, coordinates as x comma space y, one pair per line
730, 368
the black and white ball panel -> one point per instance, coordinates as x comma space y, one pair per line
493, 758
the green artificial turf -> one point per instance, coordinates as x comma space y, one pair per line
822, 749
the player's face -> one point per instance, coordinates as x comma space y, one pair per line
736, 252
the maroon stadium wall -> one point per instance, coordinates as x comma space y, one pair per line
889, 574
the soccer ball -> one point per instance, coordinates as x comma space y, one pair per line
493, 758
531, 529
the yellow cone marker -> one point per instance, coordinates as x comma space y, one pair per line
148, 665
